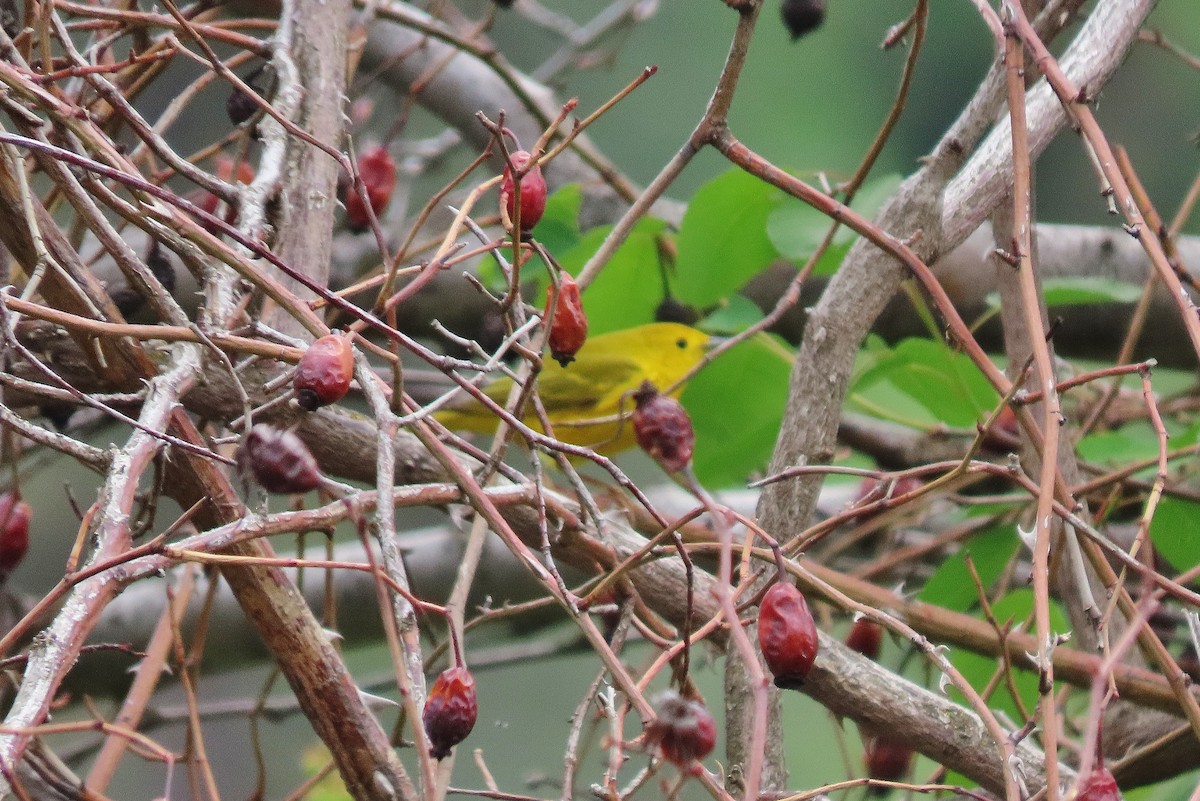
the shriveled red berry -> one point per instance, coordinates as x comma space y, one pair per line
378, 171
1098, 785
866, 637
888, 760
569, 329
683, 729
279, 460
533, 192
663, 428
787, 635
802, 16
450, 710
15, 515
324, 372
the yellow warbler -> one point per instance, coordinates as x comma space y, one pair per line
583, 398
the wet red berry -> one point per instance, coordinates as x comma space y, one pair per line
887, 760
450, 710
15, 515
787, 635
533, 192
1098, 785
279, 461
378, 171
569, 329
663, 428
683, 729
324, 372
866, 636
802, 16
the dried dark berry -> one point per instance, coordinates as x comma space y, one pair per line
450, 710
240, 106
787, 635
569, 329
533, 192
161, 267
663, 428
377, 169
802, 16
324, 372
866, 637
683, 729
15, 515
279, 461
887, 760
672, 310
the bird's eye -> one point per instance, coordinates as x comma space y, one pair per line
681, 343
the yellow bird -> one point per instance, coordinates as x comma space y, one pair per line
583, 398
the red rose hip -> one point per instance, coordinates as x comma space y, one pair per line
324, 372
15, 515
279, 461
377, 169
1098, 785
450, 710
787, 635
533, 192
663, 428
887, 760
683, 729
569, 329
866, 637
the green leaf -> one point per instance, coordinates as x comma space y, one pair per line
1084, 290
943, 383
723, 241
1173, 532
731, 316
629, 288
977, 670
796, 229
736, 404
951, 585
558, 230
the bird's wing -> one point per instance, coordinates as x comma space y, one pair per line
591, 385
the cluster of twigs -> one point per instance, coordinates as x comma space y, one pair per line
99, 211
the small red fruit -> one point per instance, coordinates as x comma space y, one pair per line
378, 171
242, 173
887, 760
866, 636
450, 710
787, 635
569, 329
683, 729
533, 192
663, 428
1099, 785
15, 515
279, 461
324, 372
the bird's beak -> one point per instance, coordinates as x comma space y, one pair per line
714, 342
